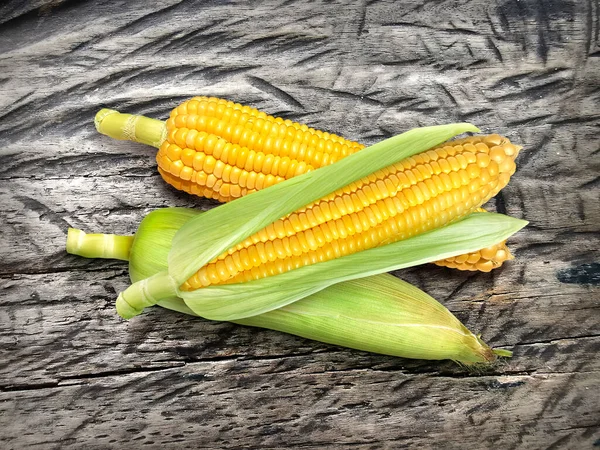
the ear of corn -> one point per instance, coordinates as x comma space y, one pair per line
379, 314
384, 207
233, 150
206, 237
220, 149
232, 223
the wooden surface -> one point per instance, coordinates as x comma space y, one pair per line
73, 375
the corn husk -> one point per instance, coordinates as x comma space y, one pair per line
236, 301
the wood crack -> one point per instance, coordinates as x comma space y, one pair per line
555, 340
81, 379
47, 271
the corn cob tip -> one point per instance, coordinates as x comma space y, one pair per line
482, 260
485, 354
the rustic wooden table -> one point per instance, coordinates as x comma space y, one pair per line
74, 375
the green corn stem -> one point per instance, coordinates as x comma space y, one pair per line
147, 292
113, 246
109, 246
131, 127
205, 237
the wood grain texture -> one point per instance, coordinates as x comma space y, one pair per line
73, 375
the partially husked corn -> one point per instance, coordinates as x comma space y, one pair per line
418, 194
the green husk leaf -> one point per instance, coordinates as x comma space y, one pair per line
236, 301
380, 314
148, 255
205, 237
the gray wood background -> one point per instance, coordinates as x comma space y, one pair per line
73, 375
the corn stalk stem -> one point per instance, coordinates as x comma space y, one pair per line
108, 246
131, 127
145, 293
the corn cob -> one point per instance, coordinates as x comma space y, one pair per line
423, 192
380, 314
222, 150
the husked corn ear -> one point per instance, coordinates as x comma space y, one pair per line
223, 150
418, 194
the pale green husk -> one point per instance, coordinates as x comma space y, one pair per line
205, 237
236, 301
380, 314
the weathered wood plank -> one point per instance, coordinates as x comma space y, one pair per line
306, 403
38, 328
74, 375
